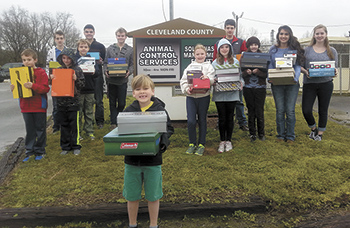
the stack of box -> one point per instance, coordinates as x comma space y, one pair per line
62, 83
95, 55
284, 72
322, 69
138, 133
53, 65
228, 78
251, 60
87, 64
117, 67
19, 76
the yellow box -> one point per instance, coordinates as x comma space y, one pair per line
19, 76
53, 65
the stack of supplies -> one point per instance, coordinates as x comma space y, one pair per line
284, 72
228, 78
87, 64
62, 83
251, 60
138, 133
117, 67
322, 69
19, 76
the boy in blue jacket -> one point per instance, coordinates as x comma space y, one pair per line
145, 169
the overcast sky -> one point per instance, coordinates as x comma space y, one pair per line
108, 15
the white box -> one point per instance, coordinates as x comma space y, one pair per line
142, 122
322, 64
87, 64
283, 62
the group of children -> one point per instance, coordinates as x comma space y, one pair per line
146, 170
253, 84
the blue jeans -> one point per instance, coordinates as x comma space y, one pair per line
116, 93
323, 92
285, 97
240, 117
197, 107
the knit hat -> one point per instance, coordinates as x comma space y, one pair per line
252, 40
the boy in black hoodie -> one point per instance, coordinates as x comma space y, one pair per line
145, 169
68, 107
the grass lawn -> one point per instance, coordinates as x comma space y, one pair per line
302, 176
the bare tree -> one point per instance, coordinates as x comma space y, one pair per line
20, 29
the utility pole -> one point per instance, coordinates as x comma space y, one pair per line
237, 17
171, 9
272, 36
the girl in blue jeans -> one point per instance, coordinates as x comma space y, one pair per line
285, 96
320, 87
197, 104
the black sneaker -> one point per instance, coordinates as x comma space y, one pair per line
252, 138
244, 128
313, 133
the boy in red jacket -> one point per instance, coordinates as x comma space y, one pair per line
34, 108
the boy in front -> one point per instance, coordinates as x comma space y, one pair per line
68, 107
145, 169
34, 108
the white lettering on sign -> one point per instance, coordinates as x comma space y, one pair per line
179, 32
158, 55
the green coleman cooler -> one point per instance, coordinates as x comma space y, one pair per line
146, 144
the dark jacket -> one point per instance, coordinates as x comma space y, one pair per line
98, 47
158, 105
71, 103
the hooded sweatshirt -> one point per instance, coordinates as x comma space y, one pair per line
71, 103
157, 105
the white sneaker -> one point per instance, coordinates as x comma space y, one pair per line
221, 147
228, 146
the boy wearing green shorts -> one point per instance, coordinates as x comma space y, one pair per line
145, 169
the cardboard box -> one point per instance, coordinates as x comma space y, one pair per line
227, 86
322, 65
53, 65
283, 63
251, 60
201, 85
63, 83
117, 70
191, 74
116, 60
19, 76
142, 122
291, 54
135, 144
95, 55
324, 72
283, 76
87, 64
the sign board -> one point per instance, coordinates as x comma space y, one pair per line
163, 51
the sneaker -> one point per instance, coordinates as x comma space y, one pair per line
244, 128
252, 138
200, 150
26, 159
76, 152
113, 126
318, 137
81, 138
39, 157
64, 152
313, 133
191, 149
92, 137
99, 126
228, 146
262, 137
222, 147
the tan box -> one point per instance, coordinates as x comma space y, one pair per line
284, 76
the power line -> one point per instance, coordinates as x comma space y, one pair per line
304, 26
